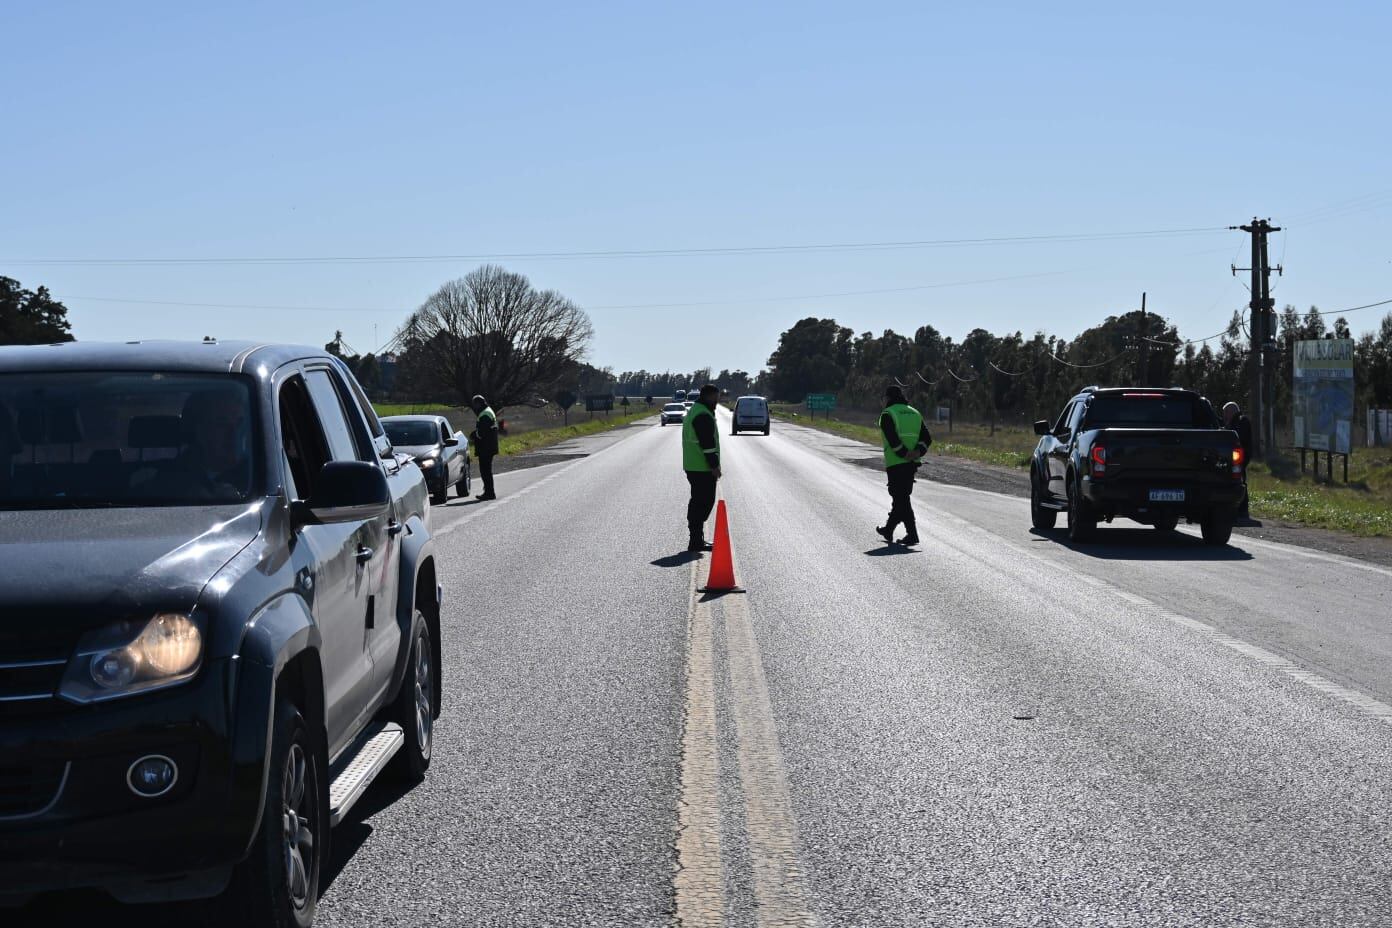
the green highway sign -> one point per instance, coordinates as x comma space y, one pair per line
822, 401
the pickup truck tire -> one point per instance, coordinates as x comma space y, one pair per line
1041, 518
1216, 528
1082, 524
278, 884
1166, 523
415, 707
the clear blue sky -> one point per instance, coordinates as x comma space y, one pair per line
297, 130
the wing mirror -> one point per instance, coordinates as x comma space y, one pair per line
451, 442
1041, 427
346, 491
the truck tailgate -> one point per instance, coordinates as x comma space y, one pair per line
1181, 453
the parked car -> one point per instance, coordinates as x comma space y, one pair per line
1155, 456
441, 452
219, 621
751, 414
673, 412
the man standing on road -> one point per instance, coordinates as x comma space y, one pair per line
1235, 420
701, 461
906, 441
485, 442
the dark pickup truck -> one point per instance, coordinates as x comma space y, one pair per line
1152, 455
219, 621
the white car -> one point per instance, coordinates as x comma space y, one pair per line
751, 415
673, 412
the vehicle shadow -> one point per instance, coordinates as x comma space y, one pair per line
90, 907
1144, 544
676, 560
891, 550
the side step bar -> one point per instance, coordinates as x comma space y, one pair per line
377, 748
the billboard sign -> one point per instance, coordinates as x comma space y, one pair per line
1323, 400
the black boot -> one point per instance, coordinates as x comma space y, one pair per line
910, 535
698, 543
886, 532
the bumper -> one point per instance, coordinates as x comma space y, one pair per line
89, 829
753, 425
1132, 498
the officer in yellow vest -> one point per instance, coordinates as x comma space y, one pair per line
485, 442
906, 441
701, 461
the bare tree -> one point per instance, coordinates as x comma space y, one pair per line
491, 332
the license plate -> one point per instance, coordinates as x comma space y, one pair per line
1167, 496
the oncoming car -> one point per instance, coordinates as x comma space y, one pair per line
439, 451
673, 412
751, 414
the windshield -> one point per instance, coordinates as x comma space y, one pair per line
675, 407
407, 434
125, 439
1149, 410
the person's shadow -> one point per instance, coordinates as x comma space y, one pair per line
891, 550
677, 560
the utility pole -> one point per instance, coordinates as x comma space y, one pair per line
1262, 325
1143, 354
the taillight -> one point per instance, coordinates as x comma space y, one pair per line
1239, 458
1099, 461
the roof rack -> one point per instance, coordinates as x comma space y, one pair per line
1090, 389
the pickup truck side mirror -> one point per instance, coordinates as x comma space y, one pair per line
346, 491
1041, 427
451, 442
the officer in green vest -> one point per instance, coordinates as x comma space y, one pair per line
701, 461
485, 442
906, 441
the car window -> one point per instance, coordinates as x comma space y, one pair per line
374, 424
1149, 410
126, 438
1076, 417
302, 438
1061, 425
329, 406
407, 434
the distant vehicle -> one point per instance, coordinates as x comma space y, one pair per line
1152, 455
673, 412
751, 414
221, 622
441, 452
679, 396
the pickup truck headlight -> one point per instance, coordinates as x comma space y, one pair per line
426, 463
131, 657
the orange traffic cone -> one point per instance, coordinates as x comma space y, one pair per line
721, 578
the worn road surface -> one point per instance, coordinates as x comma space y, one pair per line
996, 728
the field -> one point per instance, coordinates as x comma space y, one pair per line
1278, 489
528, 429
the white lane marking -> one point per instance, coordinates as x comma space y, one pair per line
1295, 550
494, 505
699, 879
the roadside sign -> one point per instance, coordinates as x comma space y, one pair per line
821, 401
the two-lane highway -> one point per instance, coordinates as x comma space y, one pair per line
996, 728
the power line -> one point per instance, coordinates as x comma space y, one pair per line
629, 253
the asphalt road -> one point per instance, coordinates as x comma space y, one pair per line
997, 728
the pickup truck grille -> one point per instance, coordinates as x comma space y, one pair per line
29, 789
30, 680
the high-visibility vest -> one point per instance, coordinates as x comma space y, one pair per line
487, 414
693, 455
908, 423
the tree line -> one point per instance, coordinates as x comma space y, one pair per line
1015, 378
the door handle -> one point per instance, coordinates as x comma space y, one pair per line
364, 554
394, 527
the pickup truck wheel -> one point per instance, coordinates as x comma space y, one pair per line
1081, 522
1216, 528
1041, 518
1166, 523
415, 706
462, 487
278, 884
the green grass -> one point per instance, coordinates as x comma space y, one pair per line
413, 409
1279, 491
542, 438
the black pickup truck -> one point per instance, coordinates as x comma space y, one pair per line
219, 621
1152, 455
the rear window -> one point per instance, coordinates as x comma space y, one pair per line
1142, 410
750, 404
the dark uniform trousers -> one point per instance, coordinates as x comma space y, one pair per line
702, 501
901, 484
486, 472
